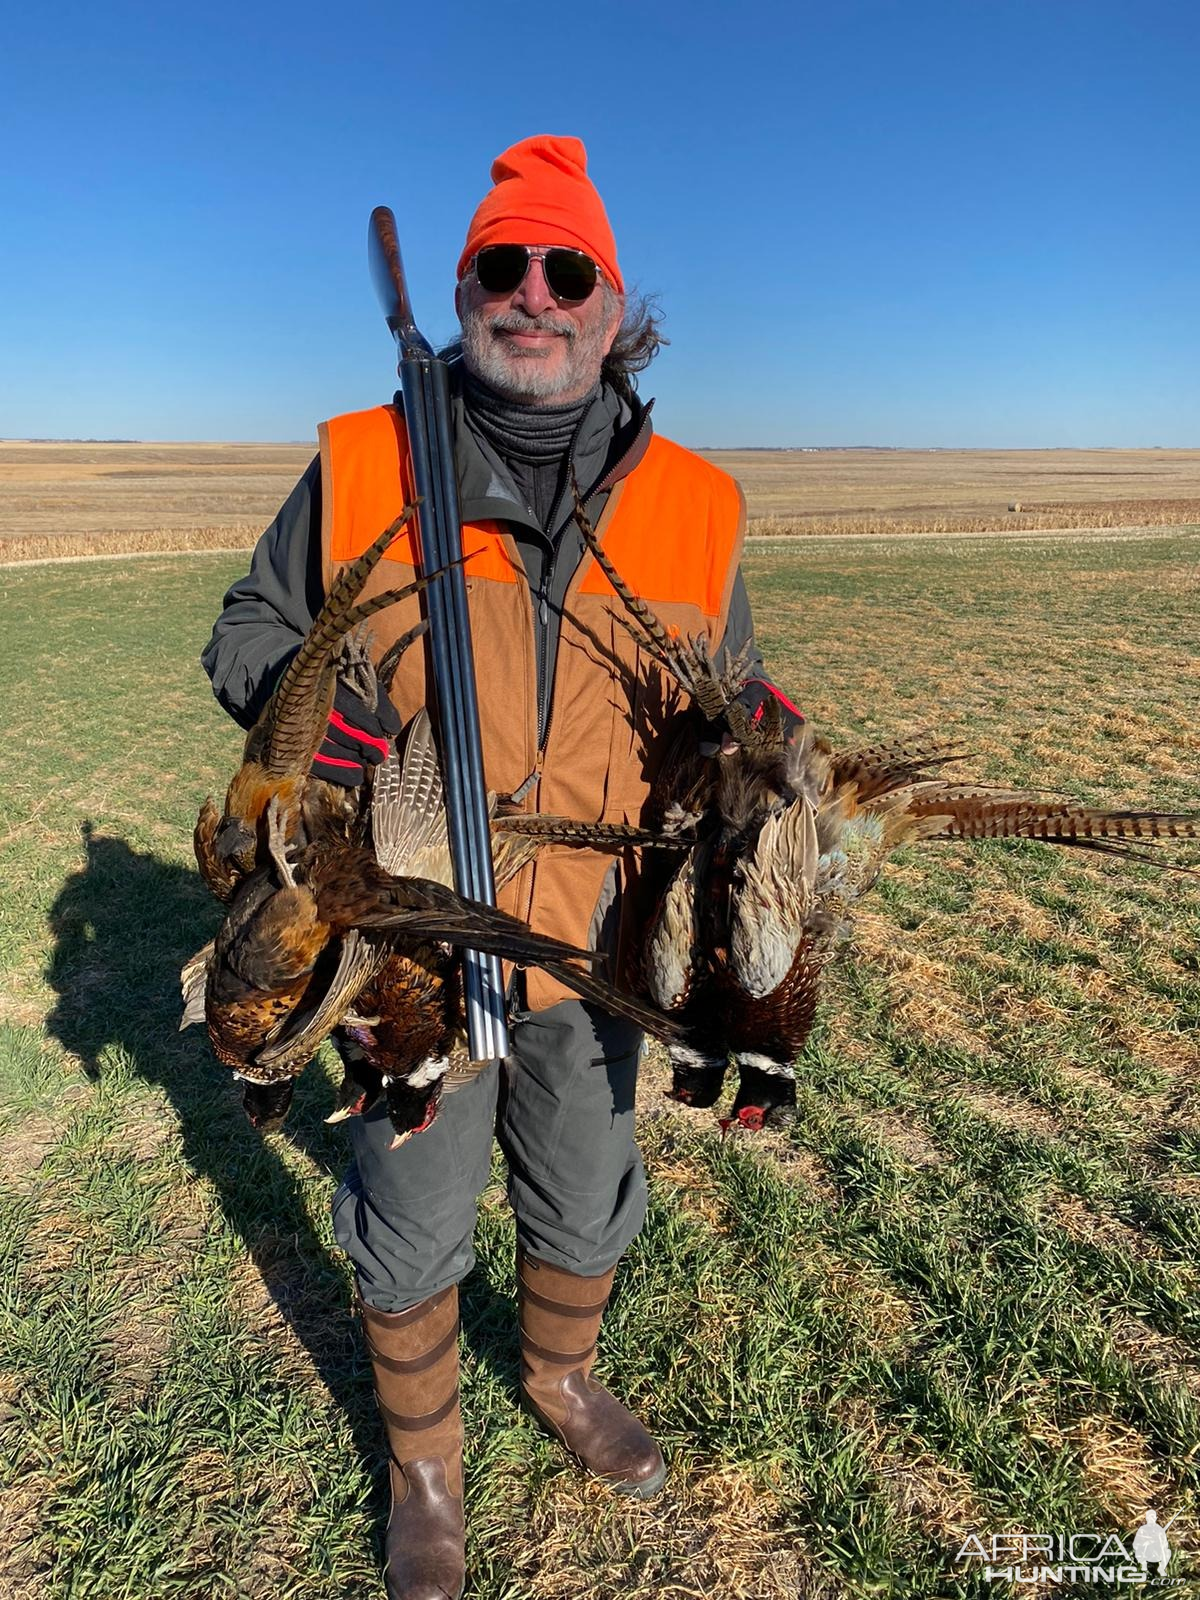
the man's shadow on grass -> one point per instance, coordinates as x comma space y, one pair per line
123, 926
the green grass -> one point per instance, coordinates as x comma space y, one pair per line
961, 1295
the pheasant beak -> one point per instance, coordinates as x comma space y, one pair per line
721, 743
402, 1138
343, 1112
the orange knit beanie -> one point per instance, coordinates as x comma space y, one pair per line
543, 195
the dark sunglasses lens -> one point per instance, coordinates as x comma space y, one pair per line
500, 267
570, 275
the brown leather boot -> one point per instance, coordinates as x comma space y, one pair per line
415, 1357
560, 1314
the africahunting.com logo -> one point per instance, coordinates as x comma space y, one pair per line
1141, 1559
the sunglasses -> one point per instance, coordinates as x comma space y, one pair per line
501, 268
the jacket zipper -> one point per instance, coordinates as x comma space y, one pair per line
542, 618
543, 687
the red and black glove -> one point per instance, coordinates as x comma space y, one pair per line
753, 697
356, 738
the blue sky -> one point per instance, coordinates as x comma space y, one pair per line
916, 223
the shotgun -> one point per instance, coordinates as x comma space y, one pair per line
425, 383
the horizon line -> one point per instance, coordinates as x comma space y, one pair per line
778, 449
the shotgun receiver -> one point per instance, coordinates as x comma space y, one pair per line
425, 382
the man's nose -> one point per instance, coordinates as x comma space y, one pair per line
533, 296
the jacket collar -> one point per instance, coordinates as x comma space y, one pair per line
612, 438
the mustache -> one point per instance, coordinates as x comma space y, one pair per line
519, 322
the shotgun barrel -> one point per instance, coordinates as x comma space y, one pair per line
425, 382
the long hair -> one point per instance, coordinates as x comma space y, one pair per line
637, 343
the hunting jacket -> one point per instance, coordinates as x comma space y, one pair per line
568, 893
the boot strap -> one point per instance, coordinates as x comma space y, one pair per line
393, 1319
556, 1356
557, 1306
416, 1424
416, 1363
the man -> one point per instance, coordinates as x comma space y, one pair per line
571, 718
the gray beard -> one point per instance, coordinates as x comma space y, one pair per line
519, 374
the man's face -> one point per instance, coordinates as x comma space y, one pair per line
530, 347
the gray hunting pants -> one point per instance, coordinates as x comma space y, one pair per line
562, 1107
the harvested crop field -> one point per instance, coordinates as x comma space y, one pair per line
958, 1297
67, 499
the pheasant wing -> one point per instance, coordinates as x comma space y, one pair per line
773, 899
406, 818
192, 981
670, 947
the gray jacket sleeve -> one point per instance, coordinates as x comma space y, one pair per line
268, 612
739, 631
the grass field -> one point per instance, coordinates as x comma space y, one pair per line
961, 1296
70, 499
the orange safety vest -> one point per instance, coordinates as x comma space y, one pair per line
673, 528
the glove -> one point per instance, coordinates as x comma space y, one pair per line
356, 738
753, 697
755, 693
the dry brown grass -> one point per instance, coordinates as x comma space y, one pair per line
61, 499
714, 1524
149, 541
52, 490
931, 484
1048, 519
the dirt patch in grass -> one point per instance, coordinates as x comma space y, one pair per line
146, 1129
870, 1304
1097, 1228
1011, 1113
20, 1011
1180, 1186
921, 990
1158, 1355
25, 1549
25, 1144
926, 1491
904, 1137
693, 1192
807, 1171
1176, 1054
710, 1532
1118, 1468
1002, 911
55, 1240
287, 1308
136, 1345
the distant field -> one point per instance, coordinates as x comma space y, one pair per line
64, 499
959, 1296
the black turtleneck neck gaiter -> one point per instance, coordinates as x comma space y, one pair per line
532, 441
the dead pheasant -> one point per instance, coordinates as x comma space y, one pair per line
783, 840
399, 998
348, 897
276, 950
277, 759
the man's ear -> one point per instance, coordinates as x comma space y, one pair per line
458, 301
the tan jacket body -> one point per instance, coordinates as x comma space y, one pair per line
674, 529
